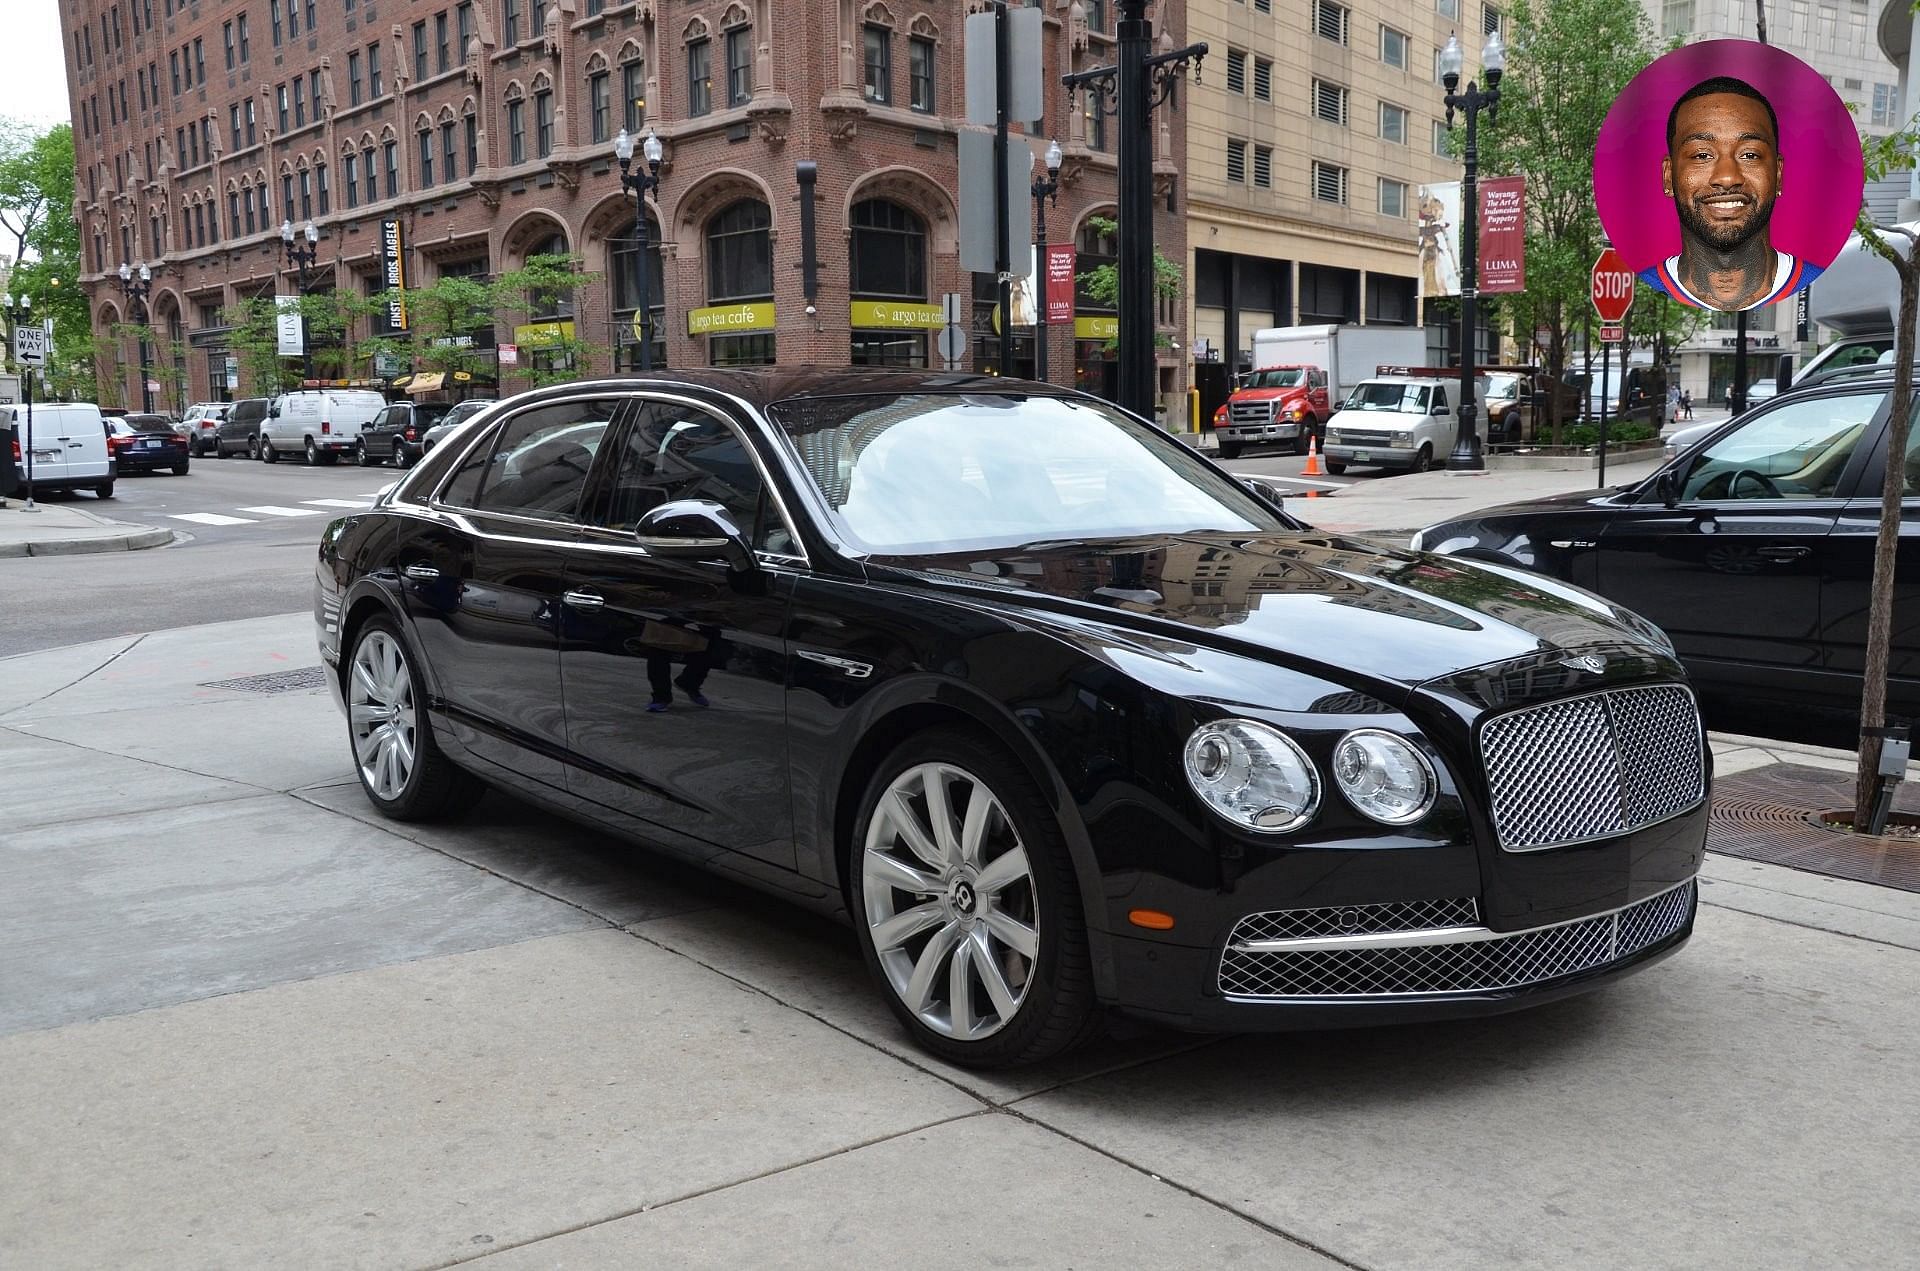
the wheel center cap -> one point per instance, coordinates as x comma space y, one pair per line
963, 897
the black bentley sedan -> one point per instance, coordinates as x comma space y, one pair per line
1060, 716
1752, 550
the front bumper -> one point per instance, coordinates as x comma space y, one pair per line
1249, 434
1378, 456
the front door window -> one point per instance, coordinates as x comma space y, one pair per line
1797, 451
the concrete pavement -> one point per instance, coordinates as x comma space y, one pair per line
244, 1022
62, 529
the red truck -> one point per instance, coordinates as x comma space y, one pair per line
1276, 403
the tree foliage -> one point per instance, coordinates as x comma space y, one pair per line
545, 285
36, 215
1102, 282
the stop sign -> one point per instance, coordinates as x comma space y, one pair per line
1612, 287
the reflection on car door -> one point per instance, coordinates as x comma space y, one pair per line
483, 580
675, 671
1848, 585
1732, 573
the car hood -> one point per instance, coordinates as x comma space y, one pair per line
1308, 601
1268, 394
1565, 501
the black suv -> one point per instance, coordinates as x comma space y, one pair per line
396, 433
239, 432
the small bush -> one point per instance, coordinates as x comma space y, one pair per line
1617, 434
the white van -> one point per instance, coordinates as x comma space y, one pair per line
320, 423
68, 442
1400, 421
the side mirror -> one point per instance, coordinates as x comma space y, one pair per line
694, 529
1667, 487
1265, 493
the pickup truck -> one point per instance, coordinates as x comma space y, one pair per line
1276, 404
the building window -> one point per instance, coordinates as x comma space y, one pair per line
449, 152
1393, 47
233, 121
463, 25
440, 59
1676, 19
472, 124
511, 11
1329, 183
539, 14
320, 185
353, 78
1393, 123
373, 71
299, 103
233, 211
699, 77
1491, 21
1263, 167
226, 42
543, 122
878, 43
306, 194
1330, 21
1447, 8
1236, 72
1884, 107
246, 41
516, 132
633, 93
600, 105
740, 267
1236, 160
286, 193
920, 74
373, 176
1393, 198
1329, 102
425, 137
251, 130
1262, 79
280, 96
273, 11
1442, 140
1096, 122
390, 156
889, 261
739, 65
351, 181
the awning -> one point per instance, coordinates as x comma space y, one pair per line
426, 382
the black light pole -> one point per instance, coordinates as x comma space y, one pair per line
638, 183
1139, 81
302, 250
18, 315
138, 288
1466, 455
1045, 190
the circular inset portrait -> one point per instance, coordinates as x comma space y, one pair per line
1728, 174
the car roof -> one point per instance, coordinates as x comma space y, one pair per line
762, 387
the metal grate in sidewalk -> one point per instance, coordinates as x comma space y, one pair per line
1770, 815
305, 679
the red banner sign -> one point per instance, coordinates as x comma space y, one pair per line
1059, 266
1503, 235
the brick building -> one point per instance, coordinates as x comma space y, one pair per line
485, 127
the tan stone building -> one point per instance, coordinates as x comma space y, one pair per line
485, 129
1307, 145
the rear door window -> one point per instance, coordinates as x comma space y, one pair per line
537, 462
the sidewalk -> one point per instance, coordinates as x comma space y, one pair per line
246, 1022
61, 529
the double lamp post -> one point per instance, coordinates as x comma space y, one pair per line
1046, 189
1466, 456
137, 288
637, 184
302, 250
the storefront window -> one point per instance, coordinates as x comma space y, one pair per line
889, 263
740, 269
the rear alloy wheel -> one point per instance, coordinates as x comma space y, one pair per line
400, 457
967, 906
313, 454
402, 769
253, 447
367, 458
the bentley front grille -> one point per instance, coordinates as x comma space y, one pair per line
1592, 767
1435, 960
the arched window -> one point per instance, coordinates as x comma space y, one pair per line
740, 272
626, 295
550, 329
888, 265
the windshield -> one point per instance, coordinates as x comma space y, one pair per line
937, 473
1287, 377
1503, 387
1408, 398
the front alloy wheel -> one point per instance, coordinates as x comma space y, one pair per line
968, 907
400, 765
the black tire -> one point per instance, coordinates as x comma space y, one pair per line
180, 469
267, 453
401, 459
312, 454
1335, 467
254, 448
1423, 461
1059, 1011
104, 490
437, 789
1230, 450
367, 458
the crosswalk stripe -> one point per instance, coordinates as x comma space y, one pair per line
269, 509
210, 518
337, 503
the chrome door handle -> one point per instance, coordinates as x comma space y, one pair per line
423, 573
1784, 553
584, 599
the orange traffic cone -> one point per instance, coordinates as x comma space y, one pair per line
1313, 456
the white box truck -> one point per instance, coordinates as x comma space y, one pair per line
1300, 376
1348, 354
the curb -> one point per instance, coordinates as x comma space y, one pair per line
138, 540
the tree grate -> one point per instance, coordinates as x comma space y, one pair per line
304, 679
1772, 814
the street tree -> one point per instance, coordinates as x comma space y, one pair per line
1566, 63
447, 322
544, 286
1102, 282
36, 214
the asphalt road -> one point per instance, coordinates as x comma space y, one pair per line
247, 534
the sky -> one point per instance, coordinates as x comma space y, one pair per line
33, 69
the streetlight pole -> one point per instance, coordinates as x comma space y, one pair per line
19, 314
137, 290
638, 183
1045, 190
1138, 81
1466, 455
302, 251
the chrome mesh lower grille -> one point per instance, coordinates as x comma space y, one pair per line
1488, 964
1353, 920
1593, 767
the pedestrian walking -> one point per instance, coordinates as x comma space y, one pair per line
1673, 402
1686, 404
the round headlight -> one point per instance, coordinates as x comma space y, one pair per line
1253, 775
1384, 776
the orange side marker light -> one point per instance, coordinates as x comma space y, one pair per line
1151, 919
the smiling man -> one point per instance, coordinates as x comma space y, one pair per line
1722, 172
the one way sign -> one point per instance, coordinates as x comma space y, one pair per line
30, 345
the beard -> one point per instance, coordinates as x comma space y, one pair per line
1723, 237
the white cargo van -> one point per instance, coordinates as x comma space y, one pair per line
319, 423
68, 442
1406, 422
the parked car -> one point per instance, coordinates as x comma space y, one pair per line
398, 432
320, 424
239, 432
1762, 391
1518, 402
68, 445
147, 443
1681, 439
1752, 550
1062, 717
459, 415
201, 424
1399, 421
